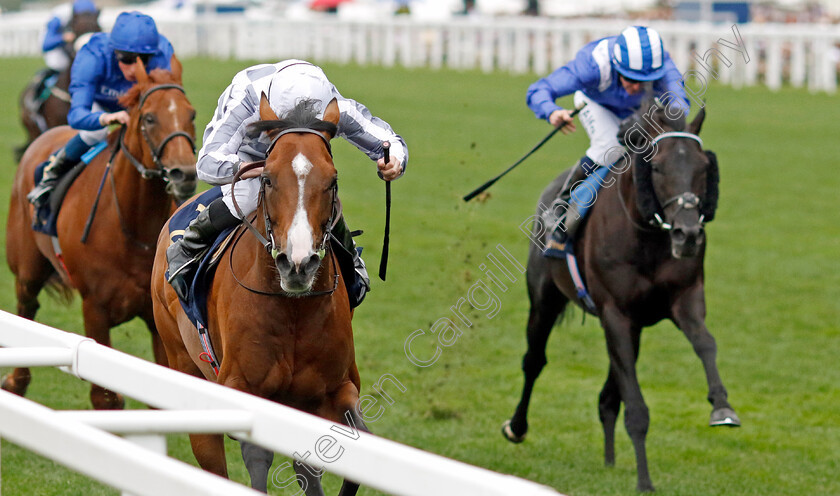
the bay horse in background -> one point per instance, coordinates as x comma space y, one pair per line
641, 254
37, 114
146, 166
276, 308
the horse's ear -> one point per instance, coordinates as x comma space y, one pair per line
266, 113
697, 123
176, 68
332, 114
140, 73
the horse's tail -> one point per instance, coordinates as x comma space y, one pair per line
58, 289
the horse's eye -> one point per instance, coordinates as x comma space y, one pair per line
266, 180
149, 118
333, 184
192, 115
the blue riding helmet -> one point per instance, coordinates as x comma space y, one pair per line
83, 6
134, 32
638, 54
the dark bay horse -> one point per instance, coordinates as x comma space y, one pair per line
37, 116
640, 253
153, 161
277, 312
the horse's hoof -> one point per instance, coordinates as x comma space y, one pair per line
510, 435
17, 387
724, 416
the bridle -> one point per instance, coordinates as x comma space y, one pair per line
269, 243
684, 201
161, 172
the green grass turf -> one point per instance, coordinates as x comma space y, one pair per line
772, 295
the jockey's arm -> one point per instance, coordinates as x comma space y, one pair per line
85, 74
367, 133
53, 38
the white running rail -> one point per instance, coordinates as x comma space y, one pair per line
188, 404
794, 54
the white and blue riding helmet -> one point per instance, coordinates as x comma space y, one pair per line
300, 81
638, 54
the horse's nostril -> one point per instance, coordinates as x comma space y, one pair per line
678, 235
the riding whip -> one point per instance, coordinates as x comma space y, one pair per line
383, 261
489, 183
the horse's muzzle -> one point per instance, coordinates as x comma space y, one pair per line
297, 277
687, 241
181, 183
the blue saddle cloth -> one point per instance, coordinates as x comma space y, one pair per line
46, 216
196, 305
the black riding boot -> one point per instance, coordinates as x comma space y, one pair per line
183, 255
58, 166
563, 218
359, 285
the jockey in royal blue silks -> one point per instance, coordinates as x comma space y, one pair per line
606, 75
103, 71
227, 147
57, 35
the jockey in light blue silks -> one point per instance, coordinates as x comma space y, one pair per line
227, 147
57, 35
607, 75
102, 72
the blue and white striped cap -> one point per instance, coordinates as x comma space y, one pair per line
638, 54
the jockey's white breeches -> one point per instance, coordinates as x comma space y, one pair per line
602, 127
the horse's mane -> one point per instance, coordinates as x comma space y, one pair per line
303, 115
156, 77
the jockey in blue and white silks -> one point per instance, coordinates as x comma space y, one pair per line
608, 76
57, 34
102, 72
226, 147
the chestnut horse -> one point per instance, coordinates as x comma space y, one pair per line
277, 310
640, 253
151, 160
53, 110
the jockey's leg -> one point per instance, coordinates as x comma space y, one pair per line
360, 286
60, 163
563, 215
602, 127
198, 236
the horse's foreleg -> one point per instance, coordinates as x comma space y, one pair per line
609, 403
689, 314
98, 327
543, 315
209, 451
157, 343
623, 347
309, 479
32, 271
258, 462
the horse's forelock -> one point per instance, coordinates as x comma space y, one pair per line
156, 77
303, 115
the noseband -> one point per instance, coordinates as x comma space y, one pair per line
684, 201
160, 171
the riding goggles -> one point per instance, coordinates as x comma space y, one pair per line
129, 58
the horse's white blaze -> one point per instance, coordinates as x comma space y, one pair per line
173, 107
299, 240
